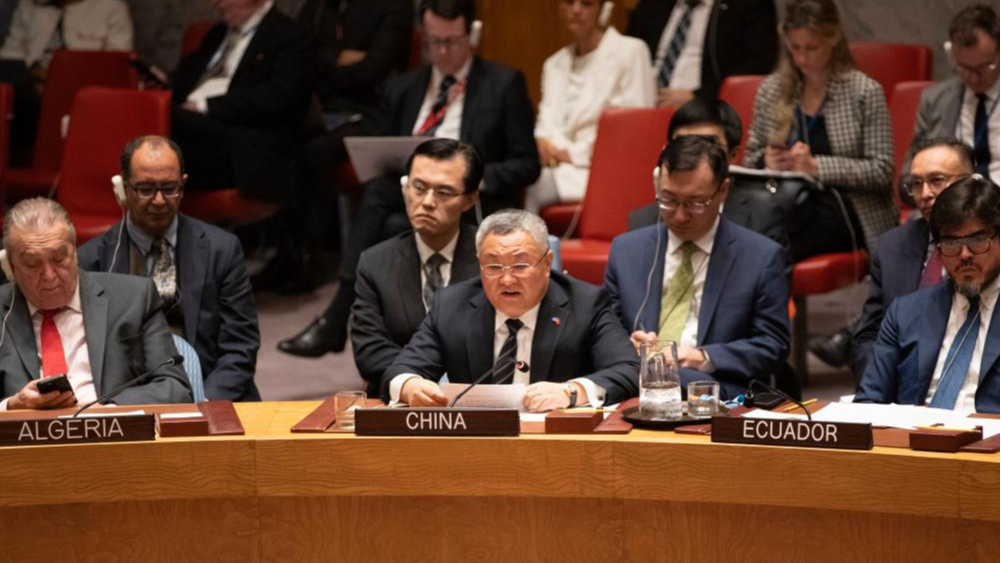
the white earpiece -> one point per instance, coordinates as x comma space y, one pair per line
475, 33
404, 180
8, 270
605, 17
656, 182
118, 187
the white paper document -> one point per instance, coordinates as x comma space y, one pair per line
486, 396
100, 414
906, 417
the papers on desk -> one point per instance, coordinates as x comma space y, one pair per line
486, 396
99, 414
906, 417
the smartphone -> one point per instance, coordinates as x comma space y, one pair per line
146, 74
55, 383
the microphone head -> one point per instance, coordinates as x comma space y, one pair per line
522, 367
176, 360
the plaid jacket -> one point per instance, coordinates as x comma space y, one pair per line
858, 126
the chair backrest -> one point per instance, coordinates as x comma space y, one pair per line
194, 35
101, 122
739, 92
69, 72
903, 113
192, 367
6, 113
892, 63
625, 154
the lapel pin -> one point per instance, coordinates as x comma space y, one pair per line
556, 321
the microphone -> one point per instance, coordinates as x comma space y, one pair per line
174, 360
749, 396
501, 362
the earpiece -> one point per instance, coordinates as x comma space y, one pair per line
656, 182
475, 33
605, 17
118, 187
8, 270
404, 180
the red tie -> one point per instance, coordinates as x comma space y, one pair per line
53, 358
933, 270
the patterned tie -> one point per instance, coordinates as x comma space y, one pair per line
982, 137
677, 44
53, 356
432, 271
218, 68
932, 273
677, 300
437, 115
508, 353
957, 362
164, 274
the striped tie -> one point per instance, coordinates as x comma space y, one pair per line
677, 44
508, 353
957, 363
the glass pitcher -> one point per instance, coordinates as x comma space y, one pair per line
660, 384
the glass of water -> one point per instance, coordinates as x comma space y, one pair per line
660, 386
345, 404
703, 398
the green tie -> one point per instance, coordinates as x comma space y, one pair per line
677, 301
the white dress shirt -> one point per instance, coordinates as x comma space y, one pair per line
220, 86
965, 130
687, 74
451, 126
967, 398
448, 253
69, 323
700, 264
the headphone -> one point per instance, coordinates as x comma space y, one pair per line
118, 188
8, 269
475, 33
605, 17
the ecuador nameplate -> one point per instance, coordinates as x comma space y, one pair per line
797, 433
81, 430
437, 422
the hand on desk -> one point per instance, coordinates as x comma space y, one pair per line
545, 396
419, 392
29, 398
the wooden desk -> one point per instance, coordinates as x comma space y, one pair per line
274, 496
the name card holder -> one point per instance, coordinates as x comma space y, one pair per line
81, 430
946, 440
796, 433
436, 422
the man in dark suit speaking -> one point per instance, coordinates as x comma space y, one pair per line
198, 268
100, 330
528, 325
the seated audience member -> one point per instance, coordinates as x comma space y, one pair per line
966, 106
459, 96
100, 330
716, 289
939, 347
600, 69
398, 278
820, 116
697, 44
533, 326
198, 268
240, 100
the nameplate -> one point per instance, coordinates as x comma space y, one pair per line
436, 422
797, 433
81, 430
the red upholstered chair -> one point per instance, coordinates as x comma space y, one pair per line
625, 154
69, 72
903, 113
739, 92
102, 121
194, 35
892, 63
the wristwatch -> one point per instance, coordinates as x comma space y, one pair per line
707, 365
571, 391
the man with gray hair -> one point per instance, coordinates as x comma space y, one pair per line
99, 330
525, 323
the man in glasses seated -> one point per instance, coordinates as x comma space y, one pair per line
198, 269
939, 347
521, 323
716, 289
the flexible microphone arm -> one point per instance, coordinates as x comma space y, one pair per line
501, 362
174, 360
749, 396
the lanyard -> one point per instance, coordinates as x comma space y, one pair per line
809, 121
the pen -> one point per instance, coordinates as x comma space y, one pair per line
794, 407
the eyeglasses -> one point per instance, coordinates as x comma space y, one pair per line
668, 203
938, 182
977, 244
440, 194
147, 190
519, 270
446, 43
979, 71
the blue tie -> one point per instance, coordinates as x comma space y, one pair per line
957, 363
677, 44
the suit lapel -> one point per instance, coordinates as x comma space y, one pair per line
470, 106
480, 344
193, 260
838, 114
107, 250
22, 334
408, 272
914, 252
650, 315
953, 106
548, 331
413, 100
936, 320
95, 324
465, 266
260, 38
720, 262
991, 345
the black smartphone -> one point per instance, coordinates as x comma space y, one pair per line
767, 401
55, 383
145, 74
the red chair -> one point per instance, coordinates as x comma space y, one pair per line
102, 121
739, 92
194, 35
69, 72
892, 63
625, 155
903, 113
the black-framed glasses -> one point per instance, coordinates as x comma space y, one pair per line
520, 270
442, 195
938, 182
446, 43
981, 71
669, 203
977, 244
147, 190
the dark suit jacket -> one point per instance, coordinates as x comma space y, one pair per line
126, 334
906, 352
895, 271
388, 307
266, 101
457, 337
220, 319
498, 120
741, 38
744, 315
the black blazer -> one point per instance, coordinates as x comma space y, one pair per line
742, 37
498, 120
220, 319
266, 102
457, 337
388, 307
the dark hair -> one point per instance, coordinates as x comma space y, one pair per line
706, 111
447, 149
970, 199
450, 10
132, 146
964, 26
961, 149
685, 153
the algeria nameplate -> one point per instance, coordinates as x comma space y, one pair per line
437, 422
797, 433
81, 430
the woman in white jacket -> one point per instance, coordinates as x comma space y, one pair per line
600, 69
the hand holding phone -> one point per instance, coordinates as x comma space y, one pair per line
56, 383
